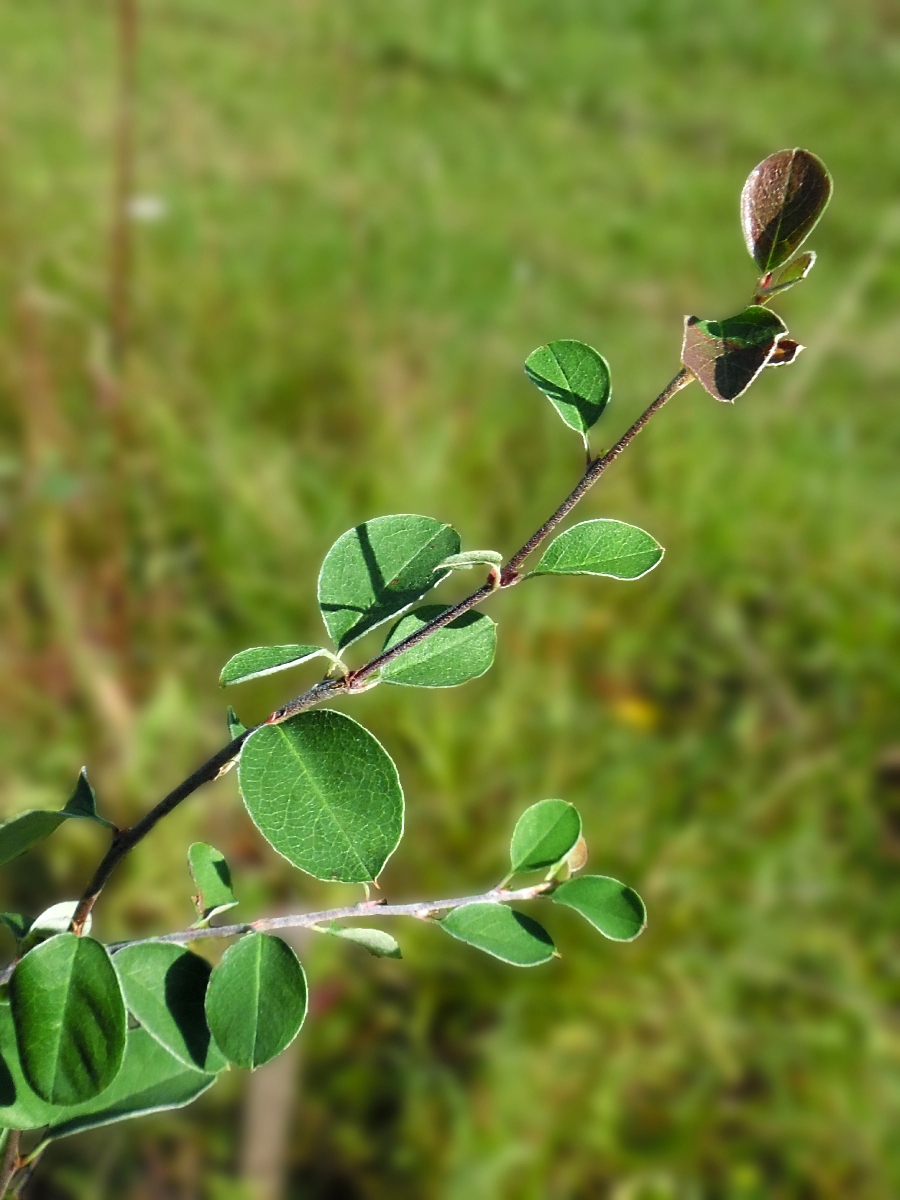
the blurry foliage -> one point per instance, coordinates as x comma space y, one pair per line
368, 214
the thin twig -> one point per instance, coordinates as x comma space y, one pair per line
356, 681
10, 1162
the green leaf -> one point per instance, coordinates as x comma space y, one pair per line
376, 941
460, 651
53, 920
69, 1017
502, 932
150, 1080
601, 547
83, 802
781, 203
726, 356
266, 660
212, 879
235, 728
324, 793
471, 558
379, 569
165, 989
256, 1000
575, 379
774, 282
544, 834
28, 828
616, 910
16, 924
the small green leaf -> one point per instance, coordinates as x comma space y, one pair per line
502, 932
601, 547
376, 941
266, 660
575, 379
256, 1000
781, 203
16, 924
150, 1080
544, 834
28, 828
469, 559
726, 356
69, 1016
235, 728
53, 920
774, 282
212, 879
378, 569
83, 802
324, 793
165, 989
460, 651
616, 910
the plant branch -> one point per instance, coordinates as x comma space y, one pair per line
356, 681
9, 1164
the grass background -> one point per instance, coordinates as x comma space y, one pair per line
372, 212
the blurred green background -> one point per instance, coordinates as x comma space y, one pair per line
349, 222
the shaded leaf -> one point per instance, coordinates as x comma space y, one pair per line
616, 910
256, 1000
324, 793
784, 353
266, 660
726, 356
380, 568
69, 1018
376, 941
575, 379
25, 830
165, 990
83, 802
212, 879
774, 282
544, 834
781, 203
460, 651
16, 924
601, 547
502, 932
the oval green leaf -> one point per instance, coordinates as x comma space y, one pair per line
780, 280
781, 203
726, 356
165, 990
612, 907
212, 879
266, 660
324, 793
460, 651
501, 932
256, 1000
574, 378
544, 835
376, 941
601, 547
380, 568
69, 1017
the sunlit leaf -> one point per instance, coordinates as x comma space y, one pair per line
165, 990
612, 907
726, 356
574, 378
784, 353
53, 920
782, 200
256, 1000
502, 932
460, 651
601, 547
69, 1018
212, 879
775, 282
544, 834
266, 660
324, 793
471, 558
235, 728
376, 941
380, 568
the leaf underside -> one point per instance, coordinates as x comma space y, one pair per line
266, 660
726, 356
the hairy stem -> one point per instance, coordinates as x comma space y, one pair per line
10, 1162
356, 681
